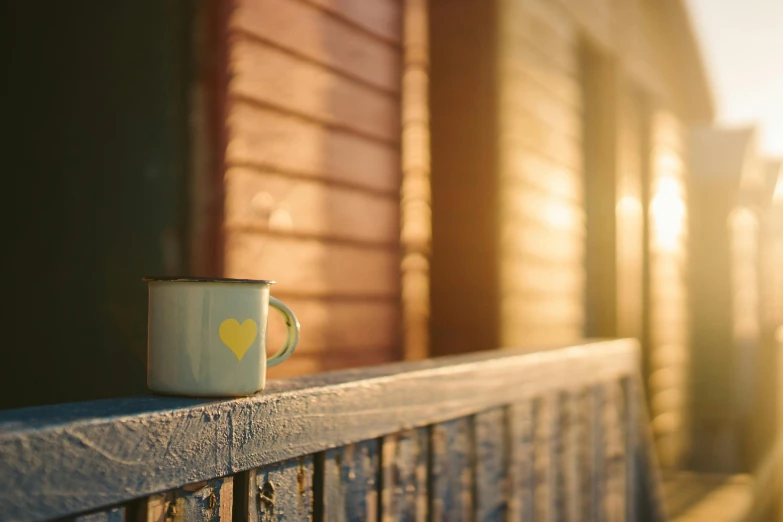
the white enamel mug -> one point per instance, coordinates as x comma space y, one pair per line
207, 337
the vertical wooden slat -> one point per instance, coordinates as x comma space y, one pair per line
631, 420
597, 397
210, 501
350, 482
451, 489
521, 472
542, 459
615, 452
116, 514
559, 465
573, 426
204, 501
586, 453
282, 491
491, 465
159, 507
404, 496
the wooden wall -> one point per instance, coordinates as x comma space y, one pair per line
540, 168
312, 171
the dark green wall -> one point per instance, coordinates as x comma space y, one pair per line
95, 112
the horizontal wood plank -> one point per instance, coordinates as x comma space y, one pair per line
380, 17
310, 364
531, 133
527, 62
276, 203
312, 268
525, 168
305, 30
270, 76
286, 144
115, 450
338, 325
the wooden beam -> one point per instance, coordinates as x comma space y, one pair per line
58, 460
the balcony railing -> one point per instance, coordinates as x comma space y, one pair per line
554, 434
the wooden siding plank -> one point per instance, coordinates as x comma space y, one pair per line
533, 171
335, 325
286, 144
380, 17
452, 470
350, 482
116, 514
521, 486
312, 268
405, 457
270, 76
525, 276
308, 31
529, 132
533, 101
266, 201
527, 63
112, 451
337, 360
282, 491
491, 454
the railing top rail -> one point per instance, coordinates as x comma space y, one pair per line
59, 460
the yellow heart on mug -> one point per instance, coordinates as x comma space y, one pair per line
238, 338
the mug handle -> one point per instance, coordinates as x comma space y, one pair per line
292, 327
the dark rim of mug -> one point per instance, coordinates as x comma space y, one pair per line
183, 279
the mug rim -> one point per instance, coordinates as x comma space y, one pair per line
188, 279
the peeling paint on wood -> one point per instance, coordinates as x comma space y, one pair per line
404, 461
491, 463
210, 501
350, 483
281, 491
158, 508
521, 466
452, 485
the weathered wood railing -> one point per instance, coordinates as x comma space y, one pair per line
511, 435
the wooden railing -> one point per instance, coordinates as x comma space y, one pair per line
510, 435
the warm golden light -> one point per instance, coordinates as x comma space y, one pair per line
668, 214
777, 196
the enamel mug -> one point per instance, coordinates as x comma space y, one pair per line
207, 337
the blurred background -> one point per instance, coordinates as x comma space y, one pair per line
422, 178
